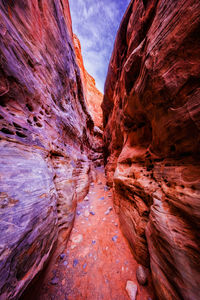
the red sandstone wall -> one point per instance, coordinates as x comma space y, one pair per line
151, 133
46, 137
93, 96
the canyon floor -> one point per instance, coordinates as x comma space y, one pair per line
97, 262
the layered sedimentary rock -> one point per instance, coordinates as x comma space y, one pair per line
46, 137
94, 99
151, 118
93, 96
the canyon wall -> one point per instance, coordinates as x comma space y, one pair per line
46, 137
151, 133
93, 96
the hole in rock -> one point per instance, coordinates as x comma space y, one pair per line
30, 107
20, 134
39, 124
7, 131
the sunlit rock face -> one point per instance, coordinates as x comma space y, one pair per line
151, 119
94, 97
46, 137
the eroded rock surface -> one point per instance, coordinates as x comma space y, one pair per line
46, 137
94, 97
151, 119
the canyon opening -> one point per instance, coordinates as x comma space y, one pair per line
99, 150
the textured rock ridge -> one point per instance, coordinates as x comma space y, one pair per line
46, 137
151, 134
93, 96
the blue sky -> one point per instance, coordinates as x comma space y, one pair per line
96, 22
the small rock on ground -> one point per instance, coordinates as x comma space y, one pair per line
114, 238
75, 262
87, 213
108, 210
92, 213
54, 281
141, 275
131, 288
77, 239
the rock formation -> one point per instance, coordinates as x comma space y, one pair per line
93, 96
46, 137
151, 120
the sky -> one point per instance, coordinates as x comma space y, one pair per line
96, 22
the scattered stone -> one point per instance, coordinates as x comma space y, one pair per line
77, 239
62, 256
92, 184
131, 288
54, 281
90, 255
106, 188
141, 275
114, 238
102, 198
86, 213
85, 265
86, 198
75, 262
78, 213
63, 282
65, 263
99, 182
116, 224
73, 247
92, 213
93, 242
108, 210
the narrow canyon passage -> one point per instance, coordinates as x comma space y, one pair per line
71, 229
97, 262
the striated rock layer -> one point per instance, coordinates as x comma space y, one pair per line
46, 137
93, 96
151, 120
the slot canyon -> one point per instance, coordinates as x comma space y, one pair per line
100, 193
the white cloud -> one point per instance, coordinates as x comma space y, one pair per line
96, 24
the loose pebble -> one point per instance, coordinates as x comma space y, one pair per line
131, 288
86, 213
114, 238
85, 265
54, 281
75, 262
77, 239
65, 263
102, 198
108, 210
92, 213
93, 242
78, 213
62, 256
141, 275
